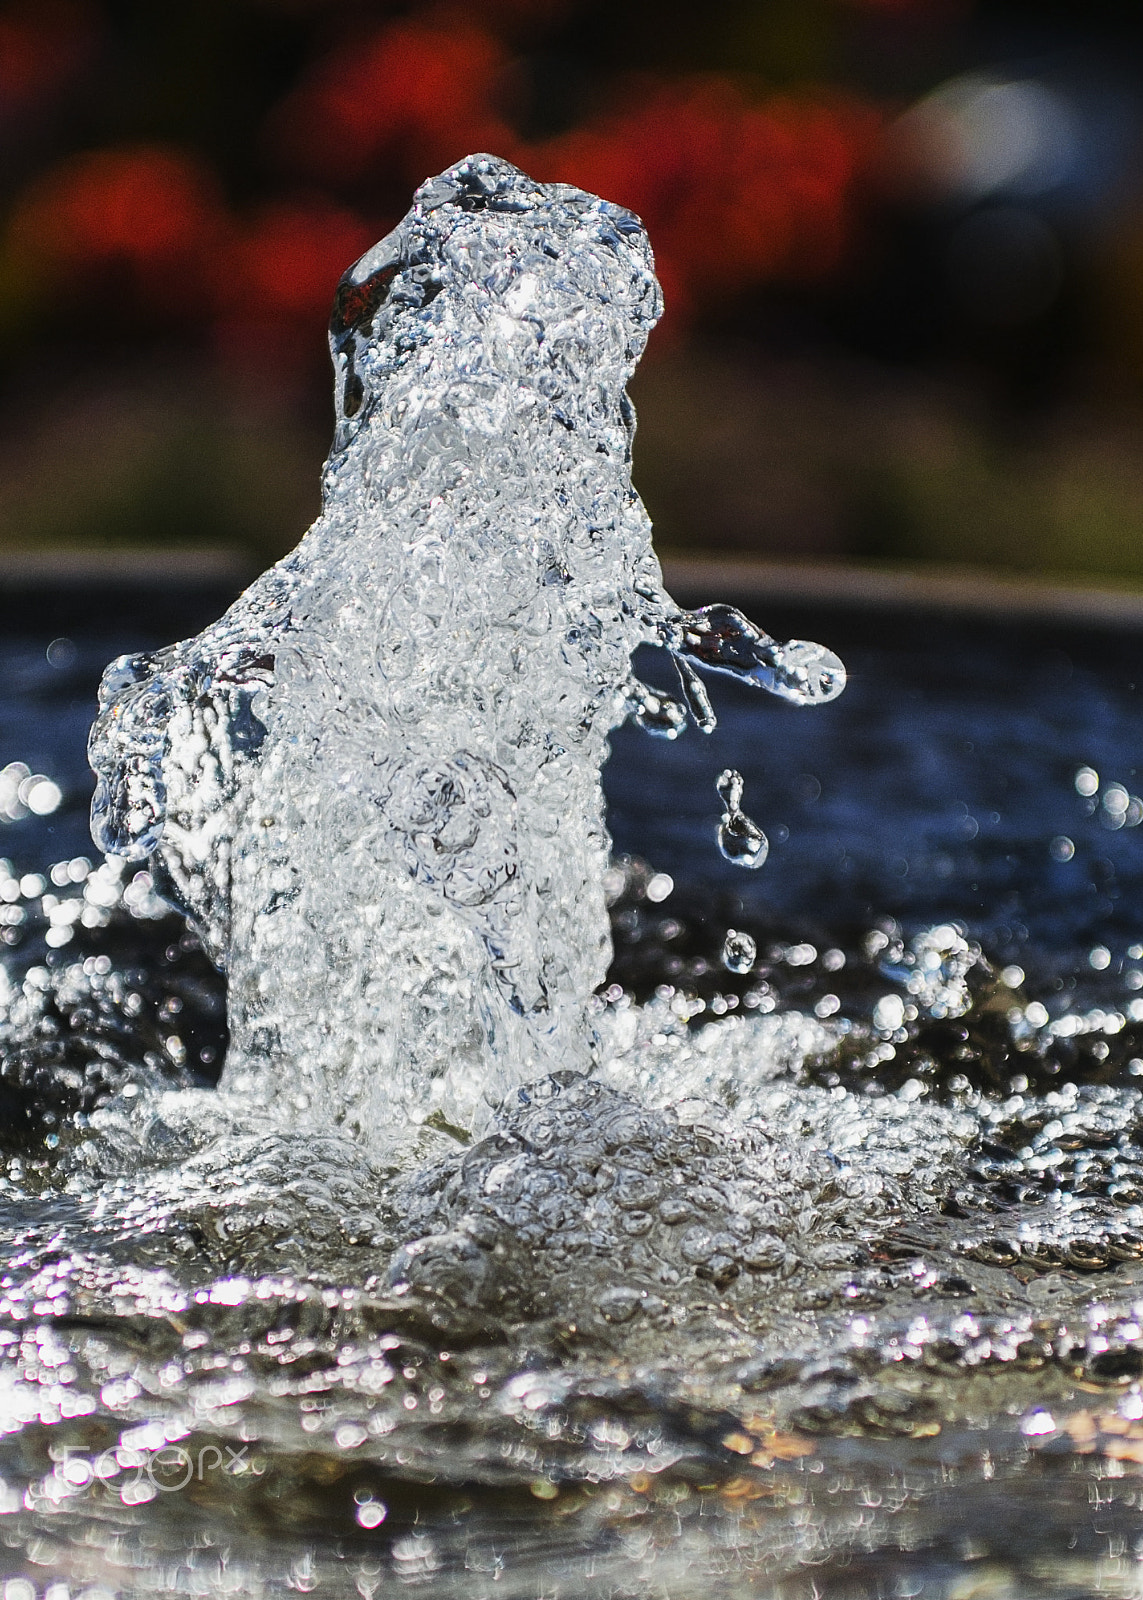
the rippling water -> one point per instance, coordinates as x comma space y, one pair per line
827, 1280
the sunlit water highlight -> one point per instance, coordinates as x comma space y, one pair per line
826, 1235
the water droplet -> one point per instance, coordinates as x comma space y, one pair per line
42, 796
806, 674
739, 839
694, 691
656, 713
739, 952
371, 1513
721, 638
889, 1013
730, 788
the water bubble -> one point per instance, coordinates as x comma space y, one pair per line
1087, 782
934, 969
614, 883
764, 1252
1114, 805
371, 1513
1099, 957
41, 796
61, 654
739, 952
1038, 1423
889, 1013
1061, 848
619, 1304
23, 791
659, 887
697, 1246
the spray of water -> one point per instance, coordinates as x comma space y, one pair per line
697, 1237
374, 785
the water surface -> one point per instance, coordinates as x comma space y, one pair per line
916, 1371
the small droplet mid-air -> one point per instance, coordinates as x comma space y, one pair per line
739, 952
740, 840
721, 639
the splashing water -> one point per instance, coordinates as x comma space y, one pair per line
461, 1222
375, 783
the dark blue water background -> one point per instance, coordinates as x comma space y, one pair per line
932, 790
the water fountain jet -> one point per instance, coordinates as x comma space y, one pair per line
873, 1222
374, 784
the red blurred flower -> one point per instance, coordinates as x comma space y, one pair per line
286, 261
42, 46
275, 277
147, 216
419, 92
733, 192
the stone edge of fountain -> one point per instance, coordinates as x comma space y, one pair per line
31, 577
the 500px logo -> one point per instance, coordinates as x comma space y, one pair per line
163, 1471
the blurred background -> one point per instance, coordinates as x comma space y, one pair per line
901, 243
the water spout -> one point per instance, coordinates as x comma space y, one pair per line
374, 784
